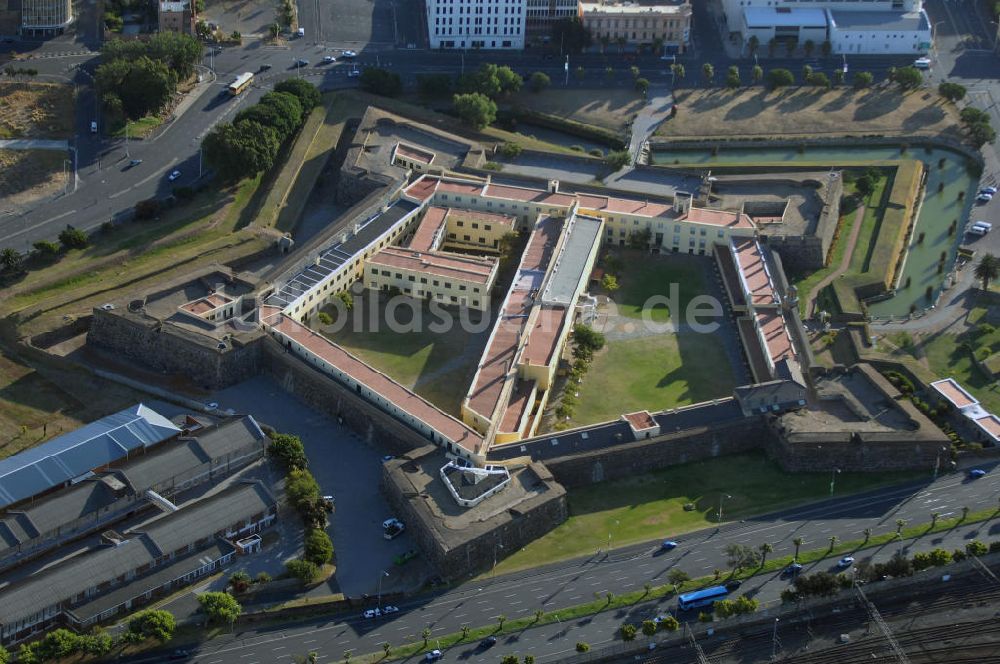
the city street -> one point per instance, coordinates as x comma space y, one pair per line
479, 602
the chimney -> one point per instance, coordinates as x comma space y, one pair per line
682, 202
553, 186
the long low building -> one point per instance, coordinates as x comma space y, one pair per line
165, 553
208, 454
444, 277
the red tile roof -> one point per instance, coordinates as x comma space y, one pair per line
519, 404
414, 154
484, 217
990, 423
378, 382
525, 195
641, 420
543, 337
779, 343
953, 392
717, 218
422, 189
441, 264
754, 270
423, 237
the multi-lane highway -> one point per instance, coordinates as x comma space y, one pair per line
561, 585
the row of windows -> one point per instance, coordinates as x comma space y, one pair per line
666, 36
476, 31
480, 43
416, 292
599, 23
478, 21
479, 10
423, 280
475, 226
466, 238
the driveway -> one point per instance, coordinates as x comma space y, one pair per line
345, 467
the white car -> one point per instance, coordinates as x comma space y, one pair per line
348, 54
354, 73
372, 613
984, 197
845, 562
389, 608
174, 175
922, 63
329, 58
988, 190
391, 521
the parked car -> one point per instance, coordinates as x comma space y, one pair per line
174, 175
845, 562
976, 473
389, 522
180, 654
372, 613
668, 545
992, 191
433, 656
488, 642
134, 162
388, 457
348, 54
984, 198
353, 73
394, 531
265, 67
733, 585
301, 62
389, 608
93, 126
922, 63
301, 32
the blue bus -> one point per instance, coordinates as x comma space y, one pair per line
701, 597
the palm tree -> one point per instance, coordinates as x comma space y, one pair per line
757, 73
752, 44
708, 71
809, 47
538, 615
765, 549
987, 269
347, 657
678, 70
868, 534
465, 631
899, 527
621, 44
501, 619
797, 542
387, 648
965, 513
426, 633
657, 44
833, 541
934, 518
647, 587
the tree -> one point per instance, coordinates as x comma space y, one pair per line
4, 655
648, 627
539, 81
833, 541
301, 487
46, 248
808, 47
865, 185
58, 644
642, 86
425, 634
510, 81
708, 72
741, 556
501, 619
634, 71
10, 260
670, 623
387, 648
509, 659
838, 76
807, 71
28, 653
153, 624
779, 78
318, 547
287, 449
765, 549
303, 570
819, 80
981, 133
510, 150
435, 85
628, 632
677, 577
73, 238
539, 614
868, 534
529, 659
798, 543
144, 85
98, 644
976, 548
278, 110
239, 150
733, 77
307, 93
908, 77
678, 70
790, 46
987, 270
951, 91
756, 74
609, 74
753, 44
588, 338
971, 115
899, 527
571, 35
934, 518
220, 607
475, 109
617, 159
863, 79
381, 82
609, 283
965, 510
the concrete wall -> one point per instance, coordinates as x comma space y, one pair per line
167, 348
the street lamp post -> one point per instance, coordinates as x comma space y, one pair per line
495, 547
719, 515
609, 537
378, 604
566, 67
127, 155
774, 639
937, 461
833, 479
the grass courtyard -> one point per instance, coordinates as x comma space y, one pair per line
651, 506
438, 366
653, 369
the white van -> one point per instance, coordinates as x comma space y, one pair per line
984, 224
301, 32
922, 63
978, 230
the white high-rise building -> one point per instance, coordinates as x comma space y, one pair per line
483, 24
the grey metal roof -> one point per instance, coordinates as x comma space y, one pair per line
204, 518
150, 582
76, 453
230, 437
879, 21
66, 506
331, 259
571, 262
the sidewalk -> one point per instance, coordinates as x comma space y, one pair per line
33, 144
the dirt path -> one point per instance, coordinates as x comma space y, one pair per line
845, 262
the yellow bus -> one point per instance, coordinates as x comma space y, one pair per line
241, 83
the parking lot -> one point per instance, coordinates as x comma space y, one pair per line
345, 467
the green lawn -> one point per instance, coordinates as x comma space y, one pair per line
416, 359
655, 373
139, 128
947, 358
642, 276
806, 283
875, 207
651, 506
